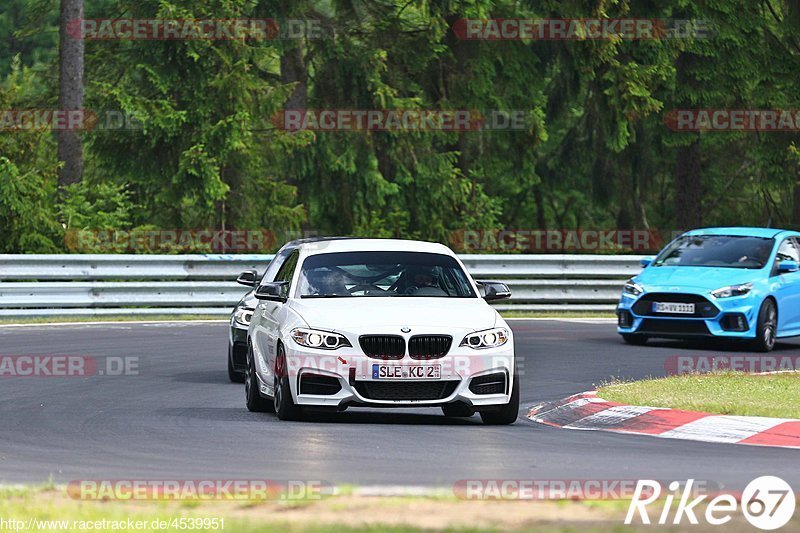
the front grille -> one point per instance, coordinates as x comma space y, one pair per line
383, 346
320, 385
702, 307
673, 327
489, 384
429, 346
406, 390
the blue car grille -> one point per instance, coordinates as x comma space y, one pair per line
678, 328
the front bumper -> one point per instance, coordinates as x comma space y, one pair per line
237, 346
732, 318
342, 378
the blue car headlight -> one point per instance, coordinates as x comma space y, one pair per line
733, 290
631, 288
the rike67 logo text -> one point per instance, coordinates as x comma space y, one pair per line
767, 502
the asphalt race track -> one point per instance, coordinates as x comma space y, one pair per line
180, 418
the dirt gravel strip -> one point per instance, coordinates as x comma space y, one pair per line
586, 411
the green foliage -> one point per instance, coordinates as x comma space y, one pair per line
95, 206
25, 217
27, 173
594, 152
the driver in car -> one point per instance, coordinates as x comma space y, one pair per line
327, 283
425, 278
422, 281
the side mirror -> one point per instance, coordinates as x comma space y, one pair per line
248, 278
274, 291
646, 261
785, 267
494, 290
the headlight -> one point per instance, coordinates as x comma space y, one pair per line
242, 316
733, 290
491, 338
632, 288
322, 340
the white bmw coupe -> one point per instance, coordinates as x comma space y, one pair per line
346, 322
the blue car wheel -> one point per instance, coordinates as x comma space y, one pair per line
767, 326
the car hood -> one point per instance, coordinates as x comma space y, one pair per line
377, 313
705, 278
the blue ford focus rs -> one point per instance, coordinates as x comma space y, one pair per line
734, 283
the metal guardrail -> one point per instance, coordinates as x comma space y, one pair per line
97, 285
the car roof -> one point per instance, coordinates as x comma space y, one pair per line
766, 233
357, 244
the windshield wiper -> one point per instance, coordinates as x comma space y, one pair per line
326, 296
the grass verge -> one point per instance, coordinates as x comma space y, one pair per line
347, 513
48, 508
726, 393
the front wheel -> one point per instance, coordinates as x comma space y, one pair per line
766, 327
285, 407
508, 413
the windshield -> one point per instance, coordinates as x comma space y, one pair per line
723, 251
376, 274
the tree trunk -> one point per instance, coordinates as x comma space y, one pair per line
688, 167
796, 205
793, 19
293, 70
70, 149
688, 187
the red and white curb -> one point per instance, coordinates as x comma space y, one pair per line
586, 411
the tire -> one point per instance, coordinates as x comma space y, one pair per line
457, 410
233, 375
766, 327
284, 405
634, 339
255, 402
508, 413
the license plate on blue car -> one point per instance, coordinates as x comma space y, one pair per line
673, 308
